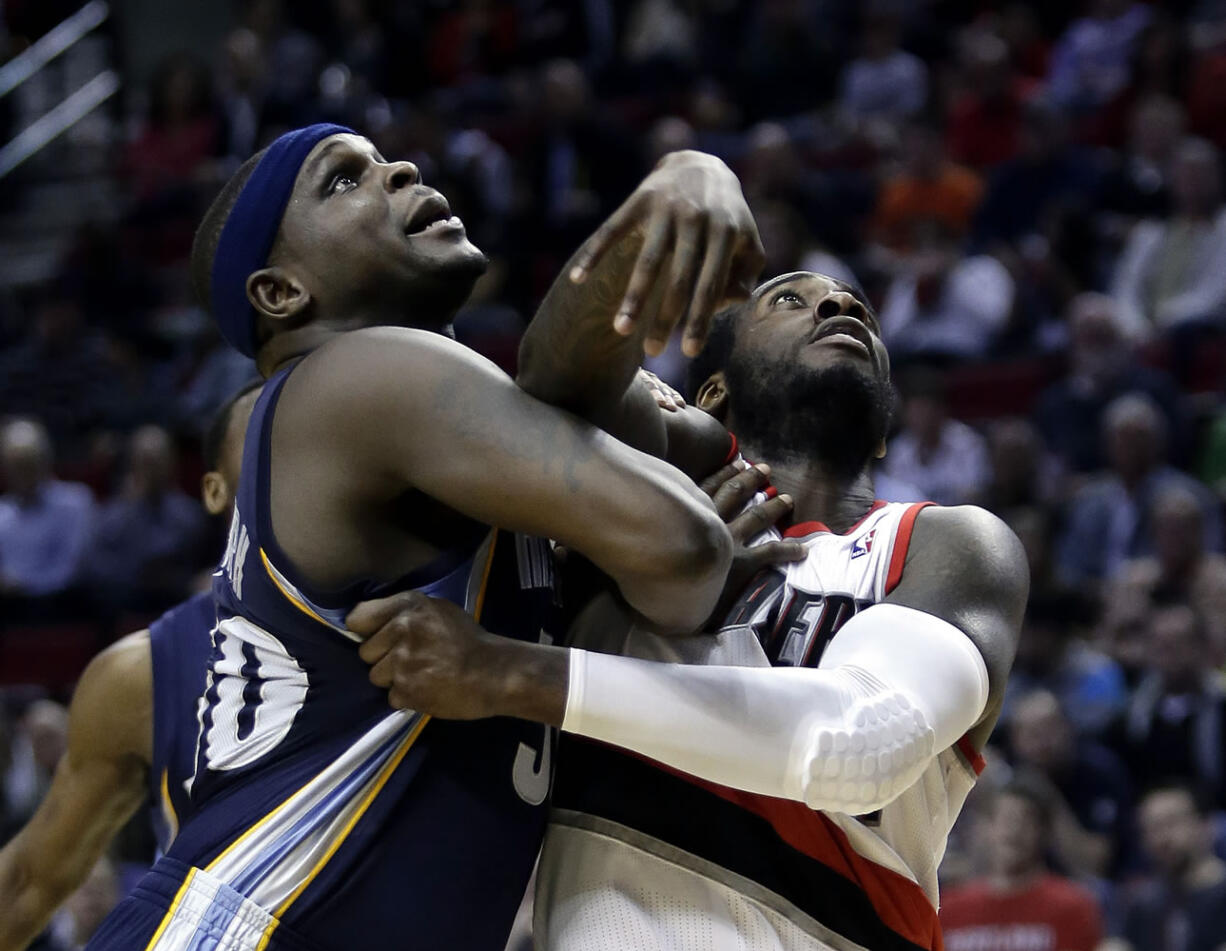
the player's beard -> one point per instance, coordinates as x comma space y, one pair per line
836, 416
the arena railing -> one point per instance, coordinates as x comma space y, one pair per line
60, 118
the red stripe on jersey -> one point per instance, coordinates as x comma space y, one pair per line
733, 450
902, 539
801, 529
899, 902
972, 755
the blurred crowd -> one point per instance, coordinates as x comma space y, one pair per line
1030, 193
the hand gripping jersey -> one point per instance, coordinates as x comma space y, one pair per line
316, 816
180, 642
642, 856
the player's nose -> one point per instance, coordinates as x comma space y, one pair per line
400, 175
838, 304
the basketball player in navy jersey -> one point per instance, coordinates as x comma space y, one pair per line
796, 790
377, 455
129, 736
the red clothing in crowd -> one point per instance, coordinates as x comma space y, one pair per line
1050, 914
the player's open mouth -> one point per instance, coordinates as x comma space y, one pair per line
430, 216
845, 332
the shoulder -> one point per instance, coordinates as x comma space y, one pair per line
112, 707
965, 536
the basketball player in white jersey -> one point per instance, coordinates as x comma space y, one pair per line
796, 790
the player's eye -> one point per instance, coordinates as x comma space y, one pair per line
342, 183
790, 296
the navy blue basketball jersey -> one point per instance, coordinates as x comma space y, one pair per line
318, 817
180, 642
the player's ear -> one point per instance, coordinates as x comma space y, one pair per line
215, 493
879, 453
277, 293
713, 395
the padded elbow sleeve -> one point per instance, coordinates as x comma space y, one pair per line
895, 686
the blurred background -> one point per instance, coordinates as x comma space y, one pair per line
1030, 193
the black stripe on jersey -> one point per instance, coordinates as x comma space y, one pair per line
605, 782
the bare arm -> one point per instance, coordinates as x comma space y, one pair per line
98, 785
681, 246
965, 566
423, 412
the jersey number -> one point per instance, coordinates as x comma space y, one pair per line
255, 690
532, 770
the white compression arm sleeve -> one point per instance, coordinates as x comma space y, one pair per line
895, 686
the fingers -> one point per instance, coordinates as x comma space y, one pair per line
369, 616
710, 485
593, 248
758, 518
646, 270
711, 281
677, 295
384, 672
773, 553
665, 396
731, 497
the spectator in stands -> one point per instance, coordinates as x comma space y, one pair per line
1047, 171
1110, 519
1181, 906
1173, 272
927, 187
181, 132
885, 81
1054, 655
45, 524
150, 538
1090, 793
1175, 723
1139, 185
60, 372
38, 743
944, 458
941, 304
784, 59
1019, 903
581, 164
985, 119
1101, 367
1022, 474
1091, 62
1180, 569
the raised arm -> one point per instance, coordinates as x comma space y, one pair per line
98, 785
683, 245
899, 683
428, 414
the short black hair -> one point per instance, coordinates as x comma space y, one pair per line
208, 235
219, 425
716, 352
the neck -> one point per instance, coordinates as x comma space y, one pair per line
284, 348
837, 501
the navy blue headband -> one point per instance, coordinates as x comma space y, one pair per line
251, 228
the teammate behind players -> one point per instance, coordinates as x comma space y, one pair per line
126, 736
377, 456
806, 777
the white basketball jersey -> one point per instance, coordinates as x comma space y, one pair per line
641, 856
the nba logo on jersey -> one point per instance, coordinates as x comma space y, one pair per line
862, 546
